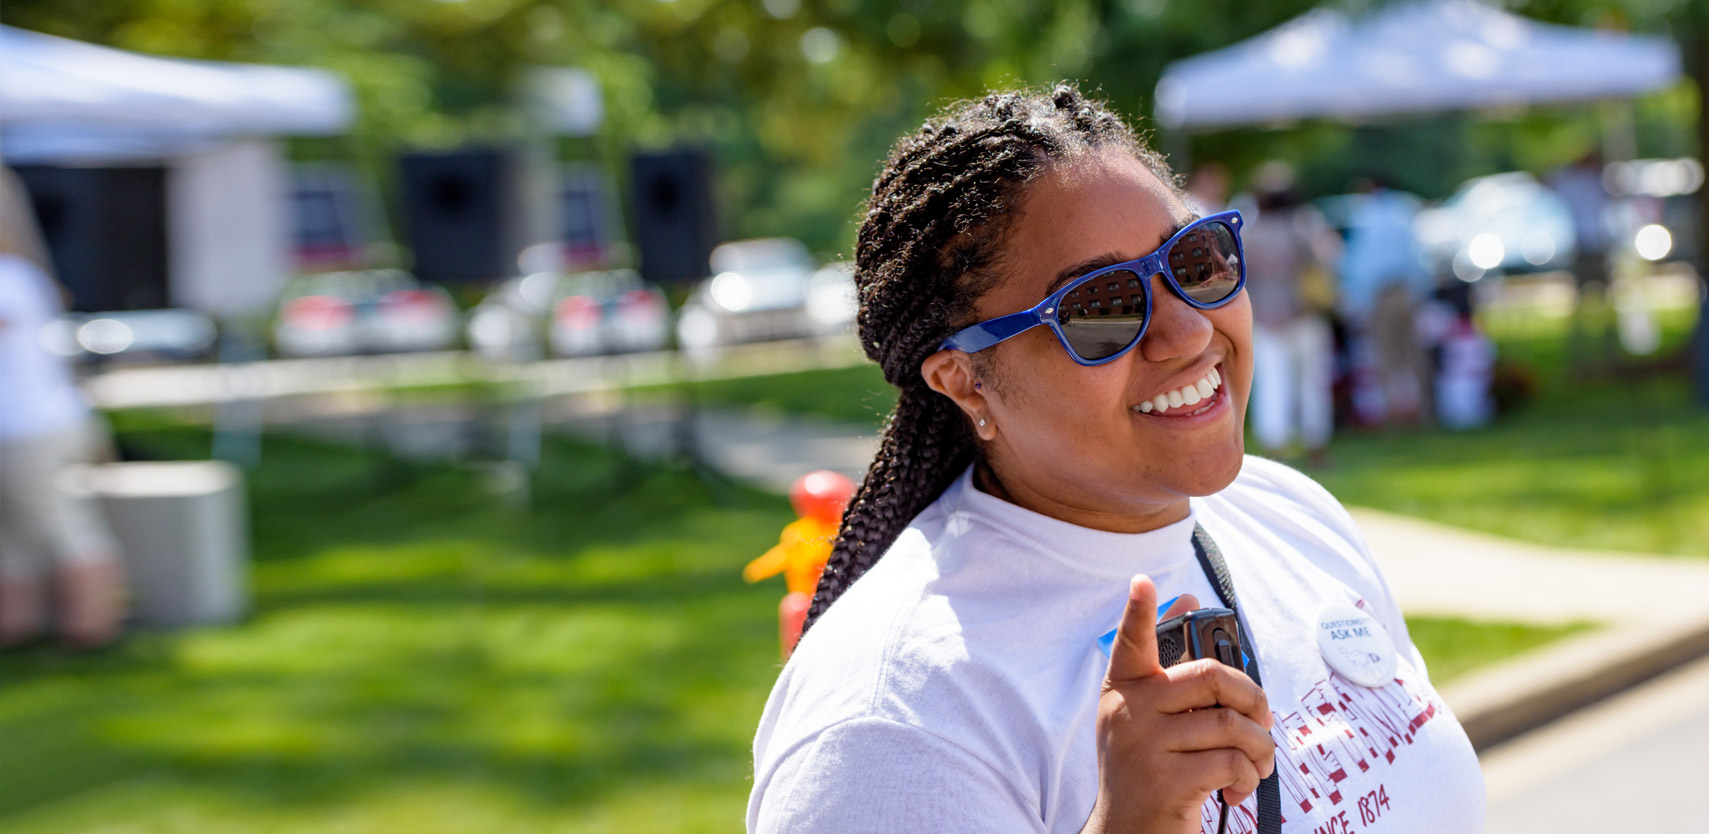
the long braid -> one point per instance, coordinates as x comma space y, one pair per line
926, 251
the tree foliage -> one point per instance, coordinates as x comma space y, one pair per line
801, 98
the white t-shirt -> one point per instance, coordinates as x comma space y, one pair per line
37, 394
954, 687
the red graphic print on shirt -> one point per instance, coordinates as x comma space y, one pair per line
1341, 732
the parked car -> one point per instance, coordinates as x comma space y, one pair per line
1508, 222
578, 314
133, 335
759, 290
1337, 210
1657, 192
361, 312
831, 299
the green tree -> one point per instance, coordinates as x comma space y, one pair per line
801, 98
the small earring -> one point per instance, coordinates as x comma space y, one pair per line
978, 385
982, 422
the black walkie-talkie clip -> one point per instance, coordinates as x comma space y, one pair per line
1207, 632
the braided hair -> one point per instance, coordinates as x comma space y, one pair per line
929, 246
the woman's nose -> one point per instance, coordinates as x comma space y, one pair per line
1177, 330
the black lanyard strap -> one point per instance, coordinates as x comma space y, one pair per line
1210, 559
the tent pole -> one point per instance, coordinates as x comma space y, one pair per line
1693, 41
1619, 130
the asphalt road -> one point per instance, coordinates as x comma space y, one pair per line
1636, 762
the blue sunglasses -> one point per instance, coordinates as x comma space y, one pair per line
1103, 314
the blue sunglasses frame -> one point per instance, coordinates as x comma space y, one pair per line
988, 333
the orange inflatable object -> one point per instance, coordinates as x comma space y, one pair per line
822, 494
803, 548
800, 555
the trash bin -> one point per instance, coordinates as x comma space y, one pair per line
185, 534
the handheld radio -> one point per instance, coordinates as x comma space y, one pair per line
1207, 632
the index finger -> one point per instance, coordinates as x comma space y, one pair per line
1177, 606
1205, 683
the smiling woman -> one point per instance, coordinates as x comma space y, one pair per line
1072, 351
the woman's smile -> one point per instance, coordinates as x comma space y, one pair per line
1193, 398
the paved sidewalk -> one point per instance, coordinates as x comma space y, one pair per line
767, 450
1437, 569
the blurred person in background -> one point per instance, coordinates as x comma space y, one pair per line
1581, 186
1383, 282
1207, 188
1287, 245
50, 539
1462, 355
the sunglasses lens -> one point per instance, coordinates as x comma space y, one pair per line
1104, 315
1206, 263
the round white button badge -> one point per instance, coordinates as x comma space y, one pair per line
1355, 644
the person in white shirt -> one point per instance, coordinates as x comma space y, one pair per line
1073, 353
1293, 344
49, 537
1383, 284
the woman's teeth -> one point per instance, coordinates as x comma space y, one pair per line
1184, 396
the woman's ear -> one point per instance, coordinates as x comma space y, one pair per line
950, 373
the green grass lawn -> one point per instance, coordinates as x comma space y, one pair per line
1452, 646
424, 658
1621, 469
1608, 461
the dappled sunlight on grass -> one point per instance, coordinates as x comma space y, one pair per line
527, 673
425, 658
1452, 646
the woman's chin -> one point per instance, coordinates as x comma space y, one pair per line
1211, 471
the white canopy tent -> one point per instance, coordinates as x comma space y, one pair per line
1419, 57
61, 97
564, 100
210, 125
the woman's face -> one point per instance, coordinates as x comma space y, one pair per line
1072, 441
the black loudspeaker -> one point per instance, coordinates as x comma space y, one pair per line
105, 230
675, 225
463, 213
